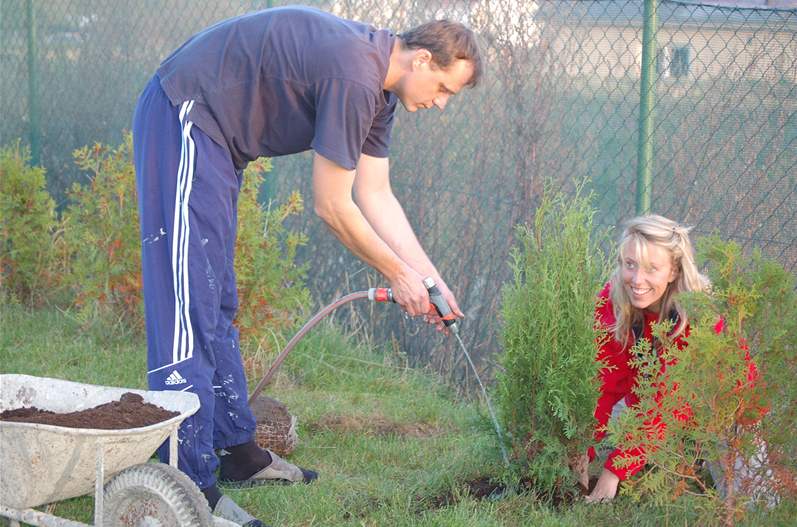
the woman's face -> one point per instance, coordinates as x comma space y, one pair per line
646, 274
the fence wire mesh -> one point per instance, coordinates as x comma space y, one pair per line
559, 103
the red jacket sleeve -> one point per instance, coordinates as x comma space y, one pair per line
616, 377
616, 380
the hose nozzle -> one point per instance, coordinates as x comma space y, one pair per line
440, 305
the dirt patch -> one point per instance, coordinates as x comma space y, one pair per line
376, 425
479, 488
487, 488
592, 482
130, 411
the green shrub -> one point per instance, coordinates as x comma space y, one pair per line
101, 234
548, 389
27, 222
705, 407
769, 321
101, 231
271, 288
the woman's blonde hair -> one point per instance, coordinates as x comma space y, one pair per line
657, 230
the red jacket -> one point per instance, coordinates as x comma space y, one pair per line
618, 380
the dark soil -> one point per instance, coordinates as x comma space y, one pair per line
486, 488
130, 411
586, 492
479, 489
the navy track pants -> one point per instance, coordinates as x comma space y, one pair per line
187, 196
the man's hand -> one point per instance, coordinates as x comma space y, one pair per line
606, 488
409, 291
384, 213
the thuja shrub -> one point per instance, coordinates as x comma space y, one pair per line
27, 225
271, 287
547, 388
101, 233
771, 331
770, 327
101, 230
718, 421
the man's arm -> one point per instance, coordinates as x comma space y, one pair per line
332, 200
384, 213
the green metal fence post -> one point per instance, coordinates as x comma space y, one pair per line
644, 182
33, 88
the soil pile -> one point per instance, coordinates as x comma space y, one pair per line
130, 411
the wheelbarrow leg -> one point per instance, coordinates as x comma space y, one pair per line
98, 486
173, 448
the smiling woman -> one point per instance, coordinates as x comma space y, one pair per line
671, 373
646, 272
655, 263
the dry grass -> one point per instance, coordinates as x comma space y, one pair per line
376, 425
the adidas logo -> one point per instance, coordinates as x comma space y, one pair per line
175, 378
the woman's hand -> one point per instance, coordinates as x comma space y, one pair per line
580, 465
606, 488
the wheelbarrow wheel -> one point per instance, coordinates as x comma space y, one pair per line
154, 495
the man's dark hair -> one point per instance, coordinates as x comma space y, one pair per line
447, 41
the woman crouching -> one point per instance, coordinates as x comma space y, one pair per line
655, 264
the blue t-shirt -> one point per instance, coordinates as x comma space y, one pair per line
285, 80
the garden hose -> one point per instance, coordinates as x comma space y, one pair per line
438, 305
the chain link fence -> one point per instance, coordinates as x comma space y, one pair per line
560, 102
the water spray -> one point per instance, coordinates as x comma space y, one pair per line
438, 306
450, 321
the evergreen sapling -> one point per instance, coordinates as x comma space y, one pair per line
548, 388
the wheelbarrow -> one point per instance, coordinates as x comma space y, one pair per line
43, 464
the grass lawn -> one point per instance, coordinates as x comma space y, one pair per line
393, 446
